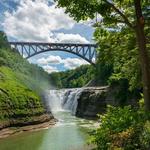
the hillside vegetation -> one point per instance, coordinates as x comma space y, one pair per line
21, 86
78, 77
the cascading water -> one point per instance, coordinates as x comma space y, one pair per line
55, 97
64, 100
70, 102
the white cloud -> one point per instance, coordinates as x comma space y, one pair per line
50, 60
36, 21
42, 61
72, 63
50, 69
71, 38
68, 63
54, 59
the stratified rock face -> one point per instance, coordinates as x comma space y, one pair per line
91, 102
26, 121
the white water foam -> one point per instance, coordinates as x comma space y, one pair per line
64, 100
55, 97
71, 101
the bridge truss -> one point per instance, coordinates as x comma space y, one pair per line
30, 49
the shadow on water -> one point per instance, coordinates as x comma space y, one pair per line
23, 141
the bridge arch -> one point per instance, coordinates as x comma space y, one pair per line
30, 49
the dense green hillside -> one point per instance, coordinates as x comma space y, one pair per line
21, 85
73, 78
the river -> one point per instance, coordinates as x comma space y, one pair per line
69, 133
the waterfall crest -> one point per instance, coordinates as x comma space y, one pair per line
64, 100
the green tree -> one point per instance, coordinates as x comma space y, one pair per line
73, 78
131, 13
118, 61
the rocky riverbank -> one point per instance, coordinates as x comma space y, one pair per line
5, 132
25, 121
16, 126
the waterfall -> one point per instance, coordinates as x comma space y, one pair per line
71, 100
55, 97
64, 100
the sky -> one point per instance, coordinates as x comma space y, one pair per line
42, 21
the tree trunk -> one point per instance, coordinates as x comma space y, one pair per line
143, 53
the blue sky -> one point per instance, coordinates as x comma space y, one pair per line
40, 20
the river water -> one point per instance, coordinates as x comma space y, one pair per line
69, 133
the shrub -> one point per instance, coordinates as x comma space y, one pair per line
123, 129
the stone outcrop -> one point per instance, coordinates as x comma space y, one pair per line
26, 121
93, 101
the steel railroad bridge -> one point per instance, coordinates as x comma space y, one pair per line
30, 49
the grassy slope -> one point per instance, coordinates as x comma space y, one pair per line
16, 99
21, 84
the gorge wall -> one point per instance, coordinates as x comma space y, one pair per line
93, 101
